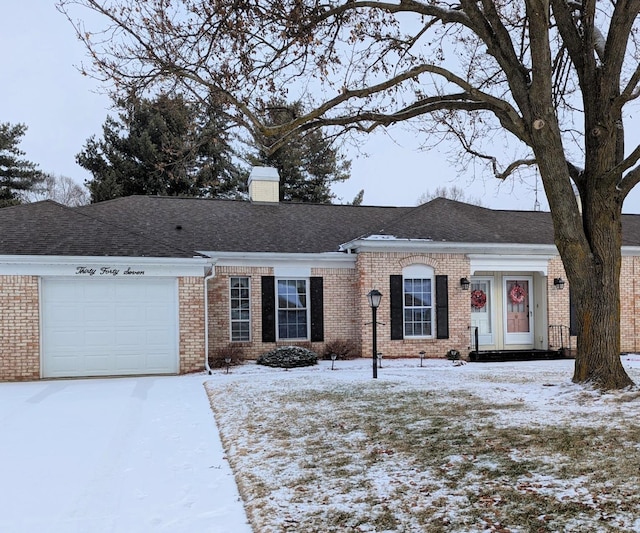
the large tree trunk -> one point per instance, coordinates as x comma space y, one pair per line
589, 243
597, 303
595, 283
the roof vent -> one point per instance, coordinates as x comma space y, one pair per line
264, 184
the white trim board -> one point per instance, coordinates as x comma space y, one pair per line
506, 263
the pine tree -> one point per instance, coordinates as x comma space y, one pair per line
161, 147
17, 175
308, 163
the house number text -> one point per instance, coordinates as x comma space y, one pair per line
107, 271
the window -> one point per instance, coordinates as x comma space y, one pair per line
240, 309
419, 304
417, 299
417, 307
292, 309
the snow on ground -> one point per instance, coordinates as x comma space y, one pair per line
137, 455
304, 463
124, 455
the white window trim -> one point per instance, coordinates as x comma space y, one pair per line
231, 320
308, 308
419, 272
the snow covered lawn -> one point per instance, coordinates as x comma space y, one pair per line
126, 455
480, 447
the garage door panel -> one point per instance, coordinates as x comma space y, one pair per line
67, 363
63, 314
100, 327
129, 362
130, 337
95, 339
97, 363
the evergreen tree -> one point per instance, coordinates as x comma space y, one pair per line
17, 175
162, 147
357, 199
308, 163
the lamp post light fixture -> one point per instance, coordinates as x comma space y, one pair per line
227, 361
334, 356
374, 298
422, 353
558, 283
465, 283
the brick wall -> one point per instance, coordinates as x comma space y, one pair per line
630, 304
558, 303
340, 315
191, 317
629, 301
19, 328
374, 270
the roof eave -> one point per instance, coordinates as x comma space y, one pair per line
424, 245
262, 259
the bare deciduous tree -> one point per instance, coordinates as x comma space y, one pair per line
452, 193
555, 76
61, 189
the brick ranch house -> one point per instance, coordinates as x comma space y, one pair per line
151, 285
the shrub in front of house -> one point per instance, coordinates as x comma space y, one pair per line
288, 357
343, 348
231, 352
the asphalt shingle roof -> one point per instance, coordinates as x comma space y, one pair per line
48, 228
154, 226
451, 221
238, 226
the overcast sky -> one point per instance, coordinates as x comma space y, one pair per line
42, 88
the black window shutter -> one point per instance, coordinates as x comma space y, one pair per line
268, 309
317, 310
395, 299
442, 307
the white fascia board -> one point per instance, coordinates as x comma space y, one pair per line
631, 251
102, 266
273, 259
510, 263
427, 246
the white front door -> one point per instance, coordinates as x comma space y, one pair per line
518, 310
482, 310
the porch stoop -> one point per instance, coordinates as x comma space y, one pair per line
488, 356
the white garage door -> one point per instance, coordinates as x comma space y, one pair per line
109, 327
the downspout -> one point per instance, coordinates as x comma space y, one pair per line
206, 318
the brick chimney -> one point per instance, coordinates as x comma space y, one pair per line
264, 185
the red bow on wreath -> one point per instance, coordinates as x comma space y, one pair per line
478, 299
517, 294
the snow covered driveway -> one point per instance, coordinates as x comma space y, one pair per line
114, 455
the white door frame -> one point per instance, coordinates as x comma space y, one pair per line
488, 337
520, 338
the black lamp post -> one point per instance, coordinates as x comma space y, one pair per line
374, 297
